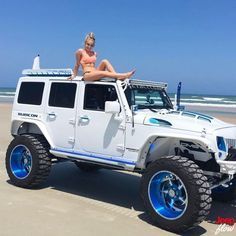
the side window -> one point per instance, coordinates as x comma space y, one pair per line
31, 93
62, 95
96, 95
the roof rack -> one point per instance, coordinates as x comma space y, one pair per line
48, 72
145, 83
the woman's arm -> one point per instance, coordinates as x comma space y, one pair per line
78, 55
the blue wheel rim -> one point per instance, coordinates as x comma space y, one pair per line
167, 195
21, 162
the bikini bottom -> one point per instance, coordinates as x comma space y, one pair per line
86, 72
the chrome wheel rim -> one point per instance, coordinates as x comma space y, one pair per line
167, 195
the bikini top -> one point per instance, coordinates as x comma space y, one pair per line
86, 58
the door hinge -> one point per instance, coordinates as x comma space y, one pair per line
71, 139
120, 147
122, 127
72, 121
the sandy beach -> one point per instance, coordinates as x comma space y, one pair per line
72, 202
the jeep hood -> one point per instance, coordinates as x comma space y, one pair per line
185, 120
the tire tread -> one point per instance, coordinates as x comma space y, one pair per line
197, 178
41, 147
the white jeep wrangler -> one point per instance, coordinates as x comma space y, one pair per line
128, 125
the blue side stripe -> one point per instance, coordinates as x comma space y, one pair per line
93, 156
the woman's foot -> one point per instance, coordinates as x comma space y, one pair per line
127, 75
131, 73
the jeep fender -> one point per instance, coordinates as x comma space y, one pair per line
33, 126
168, 144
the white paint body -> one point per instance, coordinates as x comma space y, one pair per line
112, 138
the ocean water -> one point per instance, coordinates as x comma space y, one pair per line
7, 94
207, 100
213, 105
204, 102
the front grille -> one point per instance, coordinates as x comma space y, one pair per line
231, 142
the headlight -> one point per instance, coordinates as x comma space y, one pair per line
221, 143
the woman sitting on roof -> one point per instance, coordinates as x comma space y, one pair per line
87, 57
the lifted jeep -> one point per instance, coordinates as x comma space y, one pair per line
128, 125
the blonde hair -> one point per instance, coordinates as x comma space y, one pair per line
90, 35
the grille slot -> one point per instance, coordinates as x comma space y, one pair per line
231, 142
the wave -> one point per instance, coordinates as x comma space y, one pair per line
209, 104
231, 102
7, 93
213, 99
192, 99
10, 93
7, 96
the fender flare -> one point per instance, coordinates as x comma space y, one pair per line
15, 125
144, 150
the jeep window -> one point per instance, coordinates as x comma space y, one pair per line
146, 97
31, 93
96, 95
62, 95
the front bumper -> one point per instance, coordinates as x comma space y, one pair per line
227, 167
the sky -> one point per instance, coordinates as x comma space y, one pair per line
192, 41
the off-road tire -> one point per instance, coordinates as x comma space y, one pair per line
41, 161
197, 188
87, 167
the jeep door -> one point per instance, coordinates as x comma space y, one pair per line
97, 131
60, 113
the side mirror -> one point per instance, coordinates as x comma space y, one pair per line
112, 107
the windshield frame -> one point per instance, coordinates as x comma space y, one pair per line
131, 98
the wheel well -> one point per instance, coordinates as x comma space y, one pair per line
158, 147
28, 128
161, 146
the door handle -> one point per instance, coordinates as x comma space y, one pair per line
52, 114
84, 118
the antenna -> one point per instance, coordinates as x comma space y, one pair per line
177, 105
36, 64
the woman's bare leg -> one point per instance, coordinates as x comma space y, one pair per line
97, 75
106, 65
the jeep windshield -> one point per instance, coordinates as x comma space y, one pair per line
148, 98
